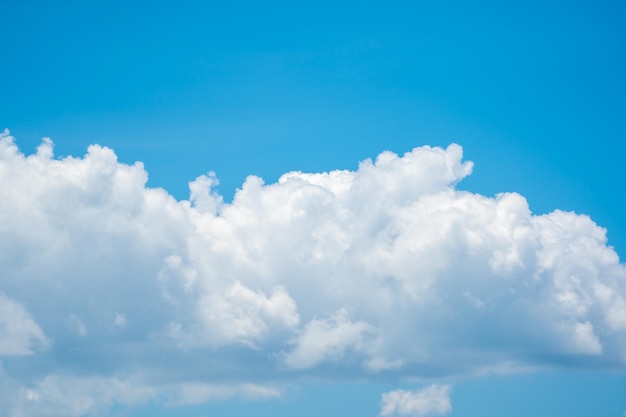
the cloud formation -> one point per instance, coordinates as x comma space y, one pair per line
18, 330
386, 270
429, 401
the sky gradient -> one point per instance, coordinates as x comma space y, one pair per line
408, 208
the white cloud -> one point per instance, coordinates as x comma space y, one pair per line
57, 395
19, 333
429, 401
72, 396
323, 340
238, 315
388, 268
200, 393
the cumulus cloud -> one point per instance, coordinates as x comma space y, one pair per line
388, 268
323, 340
429, 401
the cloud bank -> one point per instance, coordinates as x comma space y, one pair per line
386, 271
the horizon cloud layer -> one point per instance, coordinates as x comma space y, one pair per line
388, 271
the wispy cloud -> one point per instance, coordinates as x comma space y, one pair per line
19, 334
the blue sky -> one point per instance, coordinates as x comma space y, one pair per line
534, 94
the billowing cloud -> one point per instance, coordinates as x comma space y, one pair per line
385, 270
430, 401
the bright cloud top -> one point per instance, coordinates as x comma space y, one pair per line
386, 269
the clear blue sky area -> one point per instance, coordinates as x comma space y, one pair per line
534, 92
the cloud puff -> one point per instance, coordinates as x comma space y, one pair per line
429, 401
323, 340
388, 269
